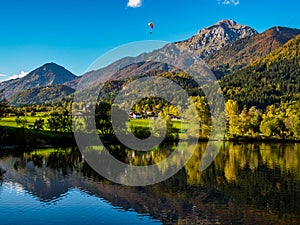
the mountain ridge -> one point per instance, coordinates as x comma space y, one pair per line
269, 80
247, 50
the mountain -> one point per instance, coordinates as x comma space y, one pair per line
269, 80
41, 95
121, 69
211, 39
244, 51
46, 75
227, 47
205, 42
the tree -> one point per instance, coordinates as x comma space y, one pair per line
103, 118
38, 125
60, 121
21, 122
272, 127
232, 117
66, 122
297, 127
53, 123
3, 104
255, 119
201, 116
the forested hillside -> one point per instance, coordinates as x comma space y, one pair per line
269, 80
242, 52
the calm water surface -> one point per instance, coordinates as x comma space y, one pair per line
246, 184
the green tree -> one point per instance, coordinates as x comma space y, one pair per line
53, 122
297, 127
3, 104
21, 122
60, 121
103, 118
38, 125
255, 120
272, 127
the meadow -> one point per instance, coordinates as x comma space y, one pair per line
11, 120
144, 123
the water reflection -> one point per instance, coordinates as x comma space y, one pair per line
246, 184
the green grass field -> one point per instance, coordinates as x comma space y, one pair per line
147, 123
180, 125
11, 121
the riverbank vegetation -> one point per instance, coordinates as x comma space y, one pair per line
40, 122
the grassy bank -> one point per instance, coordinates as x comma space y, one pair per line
11, 121
15, 136
11, 134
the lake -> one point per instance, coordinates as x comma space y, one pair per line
246, 184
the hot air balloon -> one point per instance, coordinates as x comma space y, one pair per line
151, 25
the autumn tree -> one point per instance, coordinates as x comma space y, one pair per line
232, 117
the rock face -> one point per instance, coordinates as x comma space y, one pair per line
209, 40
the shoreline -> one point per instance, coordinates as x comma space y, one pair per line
15, 138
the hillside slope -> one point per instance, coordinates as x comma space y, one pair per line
269, 80
247, 50
42, 95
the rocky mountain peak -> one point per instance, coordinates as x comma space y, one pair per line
212, 38
228, 22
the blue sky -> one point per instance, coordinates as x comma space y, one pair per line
75, 33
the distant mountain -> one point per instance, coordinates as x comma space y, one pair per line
211, 39
207, 41
41, 95
269, 80
46, 75
244, 51
121, 69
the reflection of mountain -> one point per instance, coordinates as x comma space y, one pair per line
45, 183
244, 182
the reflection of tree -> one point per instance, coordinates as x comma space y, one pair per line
2, 173
64, 160
263, 175
20, 164
118, 151
259, 176
154, 156
37, 160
